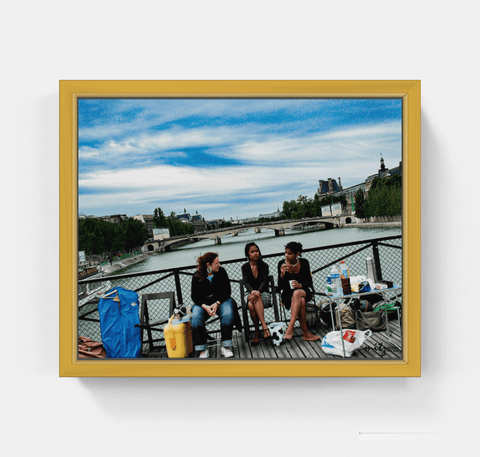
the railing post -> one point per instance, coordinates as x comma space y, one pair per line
179, 288
376, 259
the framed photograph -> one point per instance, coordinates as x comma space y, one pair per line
240, 228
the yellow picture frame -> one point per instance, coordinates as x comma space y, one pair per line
409, 91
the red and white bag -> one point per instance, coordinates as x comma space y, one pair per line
352, 340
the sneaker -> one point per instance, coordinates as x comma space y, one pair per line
204, 354
226, 352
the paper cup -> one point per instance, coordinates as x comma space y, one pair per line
291, 283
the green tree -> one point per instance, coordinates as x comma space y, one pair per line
384, 197
359, 202
159, 219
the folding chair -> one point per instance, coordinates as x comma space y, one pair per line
245, 312
153, 318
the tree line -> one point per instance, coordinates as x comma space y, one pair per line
175, 226
384, 199
309, 207
96, 236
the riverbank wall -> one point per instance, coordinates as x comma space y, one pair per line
123, 263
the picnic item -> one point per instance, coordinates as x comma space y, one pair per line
392, 309
373, 320
336, 284
371, 272
346, 317
344, 270
333, 343
360, 304
89, 349
118, 313
277, 332
325, 312
178, 337
364, 286
346, 286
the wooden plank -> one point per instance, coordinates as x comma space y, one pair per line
268, 351
292, 346
257, 351
281, 351
241, 350
307, 351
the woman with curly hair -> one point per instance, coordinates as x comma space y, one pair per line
211, 296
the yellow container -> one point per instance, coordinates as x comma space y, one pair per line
178, 339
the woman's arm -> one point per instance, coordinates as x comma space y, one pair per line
198, 297
306, 275
246, 277
264, 277
282, 282
222, 289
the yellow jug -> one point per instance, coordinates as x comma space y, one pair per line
178, 338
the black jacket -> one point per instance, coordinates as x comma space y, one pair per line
259, 283
205, 292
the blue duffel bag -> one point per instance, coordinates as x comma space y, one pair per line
120, 337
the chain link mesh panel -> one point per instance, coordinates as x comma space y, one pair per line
179, 280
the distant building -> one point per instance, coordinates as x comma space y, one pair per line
116, 218
351, 191
148, 221
215, 223
329, 187
184, 217
271, 215
160, 234
199, 225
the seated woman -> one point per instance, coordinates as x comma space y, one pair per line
295, 283
255, 275
211, 295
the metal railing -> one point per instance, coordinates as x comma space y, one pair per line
386, 252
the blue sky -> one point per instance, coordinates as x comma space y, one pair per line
226, 157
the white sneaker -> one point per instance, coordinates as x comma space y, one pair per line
226, 352
204, 354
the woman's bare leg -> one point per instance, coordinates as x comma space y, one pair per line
255, 321
302, 318
299, 311
260, 311
297, 298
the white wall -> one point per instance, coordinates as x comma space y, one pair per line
43, 42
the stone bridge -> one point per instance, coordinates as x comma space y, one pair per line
278, 227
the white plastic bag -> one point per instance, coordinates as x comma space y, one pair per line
352, 339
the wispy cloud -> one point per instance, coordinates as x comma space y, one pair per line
219, 156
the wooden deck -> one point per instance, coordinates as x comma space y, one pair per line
376, 347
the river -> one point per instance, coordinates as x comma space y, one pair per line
232, 247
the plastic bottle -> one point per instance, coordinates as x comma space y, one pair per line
329, 284
336, 283
345, 278
344, 270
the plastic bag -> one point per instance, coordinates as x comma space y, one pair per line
352, 339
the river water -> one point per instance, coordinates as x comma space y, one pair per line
232, 247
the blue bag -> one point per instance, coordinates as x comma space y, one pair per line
120, 337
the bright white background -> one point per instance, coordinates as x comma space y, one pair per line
43, 42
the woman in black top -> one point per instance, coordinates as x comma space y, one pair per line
211, 294
295, 283
255, 275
